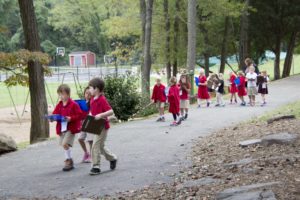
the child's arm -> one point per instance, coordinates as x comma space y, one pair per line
76, 114
104, 115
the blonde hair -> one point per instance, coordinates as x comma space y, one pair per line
241, 73
252, 68
202, 71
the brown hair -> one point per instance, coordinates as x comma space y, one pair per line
64, 88
241, 73
248, 62
173, 80
97, 83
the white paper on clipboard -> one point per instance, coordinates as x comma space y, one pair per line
64, 125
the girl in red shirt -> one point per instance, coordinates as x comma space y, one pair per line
202, 89
185, 88
233, 88
173, 98
242, 87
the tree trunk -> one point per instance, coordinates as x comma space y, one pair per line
191, 47
289, 55
39, 130
168, 38
277, 58
143, 22
147, 50
243, 44
224, 46
206, 64
176, 38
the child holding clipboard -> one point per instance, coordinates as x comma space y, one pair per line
100, 109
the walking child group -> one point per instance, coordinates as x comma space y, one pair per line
243, 83
177, 96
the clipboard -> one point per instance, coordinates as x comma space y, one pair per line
93, 126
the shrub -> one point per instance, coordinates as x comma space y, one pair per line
122, 94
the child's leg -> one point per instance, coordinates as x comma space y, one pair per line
91, 145
199, 102
81, 140
174, 116
67, 140
218, 98
221, 99
263, 97
231, 97
182, 111
235, 98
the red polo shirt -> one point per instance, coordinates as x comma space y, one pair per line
71, 109
100, 105
159, 93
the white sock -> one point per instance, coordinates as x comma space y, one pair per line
68, 154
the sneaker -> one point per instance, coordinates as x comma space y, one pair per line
223, 105
217, 105
230, 101
68, 165
207, 104
199, 106
243, 104
174, 124
95, 171
85, 157
235, 101
113, 164
179, 121
182, 118
88, 159
185, 116
159, 119
163, 119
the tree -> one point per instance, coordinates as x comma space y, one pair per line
168, 38
39, 125
147, 50
191, 48
224, 45
244, 41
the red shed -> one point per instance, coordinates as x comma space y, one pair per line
82, 58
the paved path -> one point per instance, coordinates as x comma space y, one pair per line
145, 149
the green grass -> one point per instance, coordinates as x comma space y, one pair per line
19, 94
289, 109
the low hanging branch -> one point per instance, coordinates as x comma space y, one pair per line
17, 64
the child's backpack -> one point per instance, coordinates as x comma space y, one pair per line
197, 81
237, 81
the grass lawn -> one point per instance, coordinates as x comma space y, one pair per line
19, 94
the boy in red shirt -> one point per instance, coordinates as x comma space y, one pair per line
66, 129
159, 97
100, 109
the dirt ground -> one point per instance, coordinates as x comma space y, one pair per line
211, 154
19, 130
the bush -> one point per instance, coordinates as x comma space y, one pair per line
144, 111
122, 94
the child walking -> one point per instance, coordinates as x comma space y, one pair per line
159, 97
202, 89
251, 85
263, 87
66, 129
220, 91
242, 87
173, 98
100, 109
84, 136
185, 88
233, 88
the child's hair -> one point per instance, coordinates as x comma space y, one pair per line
64, 88
264, 72
220, 75
173, 80
97, 83
252, 68
202, 71
85, 89
248, 62
241, 73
